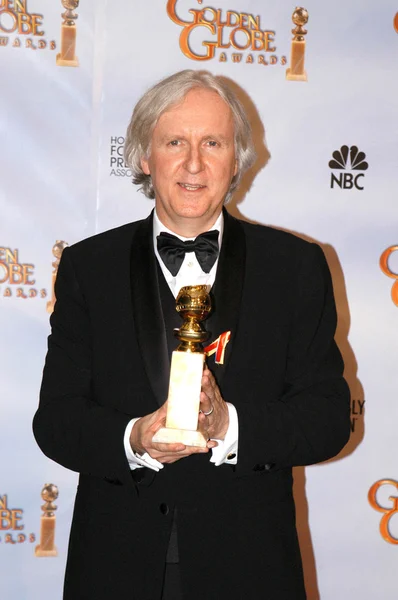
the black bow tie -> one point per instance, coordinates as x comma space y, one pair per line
172, 250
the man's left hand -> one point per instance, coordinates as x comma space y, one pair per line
217, 422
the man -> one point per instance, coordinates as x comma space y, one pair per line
156, 521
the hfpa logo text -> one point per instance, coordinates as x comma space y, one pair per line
345, 180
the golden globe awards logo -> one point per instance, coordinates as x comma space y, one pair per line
20, 28
388, 511
214, 33
11, 525
384, 266
17, 278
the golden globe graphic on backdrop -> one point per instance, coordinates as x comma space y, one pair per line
384, 266
228, 35
388, 511
17, 278
296, 71
58, 249
396, 22
67, 57
11, 524
20, 28
12, 528
46, 547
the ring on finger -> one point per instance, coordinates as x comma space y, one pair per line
206, 414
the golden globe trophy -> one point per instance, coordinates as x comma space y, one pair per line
296, 71
67, 56
194, 305
47, 547
58, 248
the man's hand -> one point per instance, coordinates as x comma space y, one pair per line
217, 422
145, 428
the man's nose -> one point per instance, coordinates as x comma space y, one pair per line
194, 160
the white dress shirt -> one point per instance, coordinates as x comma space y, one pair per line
190, 273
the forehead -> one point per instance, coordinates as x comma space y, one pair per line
201, 110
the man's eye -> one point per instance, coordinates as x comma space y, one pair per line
174, 142
212, 143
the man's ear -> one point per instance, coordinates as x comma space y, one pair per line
145, 166
236, 167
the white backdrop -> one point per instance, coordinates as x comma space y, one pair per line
60, 129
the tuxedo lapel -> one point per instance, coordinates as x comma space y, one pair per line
227, 290
147, 310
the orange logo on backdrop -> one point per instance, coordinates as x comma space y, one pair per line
15, 19
239, 31
10, 521
388, 512
14, 273
396, 22
387, 271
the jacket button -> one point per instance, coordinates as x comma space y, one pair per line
269, 466
164, 509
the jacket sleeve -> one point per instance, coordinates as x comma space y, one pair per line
70, 426
310, 421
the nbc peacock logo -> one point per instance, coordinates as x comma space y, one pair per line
351, 159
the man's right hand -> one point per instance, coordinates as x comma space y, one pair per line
145, 428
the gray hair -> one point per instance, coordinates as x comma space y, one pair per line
161, 98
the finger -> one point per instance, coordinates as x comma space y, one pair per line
164, 448
206, 381
212, 444
209, 386
206, 404
201, 419
209, 377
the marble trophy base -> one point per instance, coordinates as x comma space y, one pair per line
67, 57
296, 71
294, 77
180, 436
39, 552
183, 401
47, 537
61, 62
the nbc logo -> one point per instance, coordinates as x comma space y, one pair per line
344, 180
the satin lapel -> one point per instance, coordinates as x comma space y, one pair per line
147, 310
227, 291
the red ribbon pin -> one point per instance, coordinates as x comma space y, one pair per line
218, 347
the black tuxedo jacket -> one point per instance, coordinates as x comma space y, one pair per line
108, 361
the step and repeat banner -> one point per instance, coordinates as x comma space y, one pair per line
320, 84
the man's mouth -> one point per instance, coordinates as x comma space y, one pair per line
191, 187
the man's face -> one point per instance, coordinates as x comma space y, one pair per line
192, 162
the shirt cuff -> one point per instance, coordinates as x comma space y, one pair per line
135, 460
227, 450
